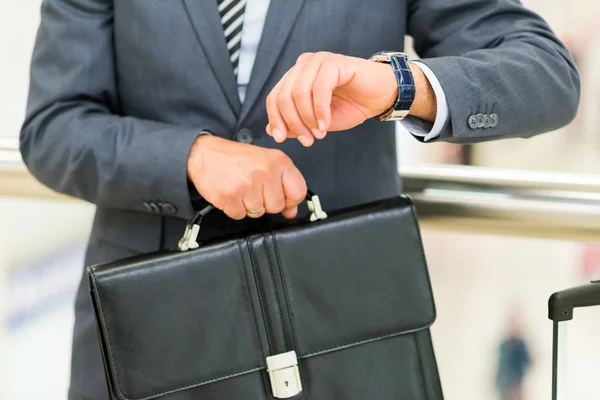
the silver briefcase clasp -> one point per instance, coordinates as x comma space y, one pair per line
285, 375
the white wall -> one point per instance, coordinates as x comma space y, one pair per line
18, 23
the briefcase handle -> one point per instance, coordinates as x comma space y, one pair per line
189, 241
561, 304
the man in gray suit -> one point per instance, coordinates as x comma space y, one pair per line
142, 106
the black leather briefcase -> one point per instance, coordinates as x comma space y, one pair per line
336, 307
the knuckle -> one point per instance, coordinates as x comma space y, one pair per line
234, 191
271, 100
304, 57
237, 215
245, 184
218, 202
285, 100
229, 195
259, 174
300, 189
275, 207
321, 109
302, 94
295, 125
279, 158
299, 195
320, 87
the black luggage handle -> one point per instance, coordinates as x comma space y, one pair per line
561, 304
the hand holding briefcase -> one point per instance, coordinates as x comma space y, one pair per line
335, 307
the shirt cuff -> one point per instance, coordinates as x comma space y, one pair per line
425, 129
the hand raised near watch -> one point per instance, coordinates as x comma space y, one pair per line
327, 92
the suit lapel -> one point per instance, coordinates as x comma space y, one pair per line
280, 20
205, 19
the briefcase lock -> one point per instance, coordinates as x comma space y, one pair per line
285, 375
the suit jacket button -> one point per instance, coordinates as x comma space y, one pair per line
494, 120
486, 121
480, 120
473, 121
245, 136
168, 209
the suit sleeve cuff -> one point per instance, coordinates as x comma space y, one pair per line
196, 198
425, 130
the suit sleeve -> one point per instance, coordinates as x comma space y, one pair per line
495, 57
74, 140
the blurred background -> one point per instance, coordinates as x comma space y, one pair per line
499, 241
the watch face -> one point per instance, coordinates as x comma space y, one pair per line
385, 56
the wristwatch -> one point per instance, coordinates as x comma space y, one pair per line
406, 84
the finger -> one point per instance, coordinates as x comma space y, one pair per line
288, 109
276, 127
235, 210
254, 202
306, 141
326, 81
294, 187
303, 93
290, 213
274, 196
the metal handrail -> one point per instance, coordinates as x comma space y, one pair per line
458, 198
510, 202
10, 159
15, 180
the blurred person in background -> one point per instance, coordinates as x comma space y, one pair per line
149, 109
514, 360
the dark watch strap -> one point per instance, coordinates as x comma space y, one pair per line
405, 81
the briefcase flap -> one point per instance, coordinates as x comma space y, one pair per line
174, 320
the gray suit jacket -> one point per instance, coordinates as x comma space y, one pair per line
121, 88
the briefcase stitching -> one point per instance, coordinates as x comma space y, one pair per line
259, 287
316, 353
429, 391
110, 354
413, 214
244, 267
422, 372
290, 313
365, 341
285, 291
152, 396
272, 276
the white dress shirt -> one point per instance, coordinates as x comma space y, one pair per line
254, 21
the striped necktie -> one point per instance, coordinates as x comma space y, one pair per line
232, 18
